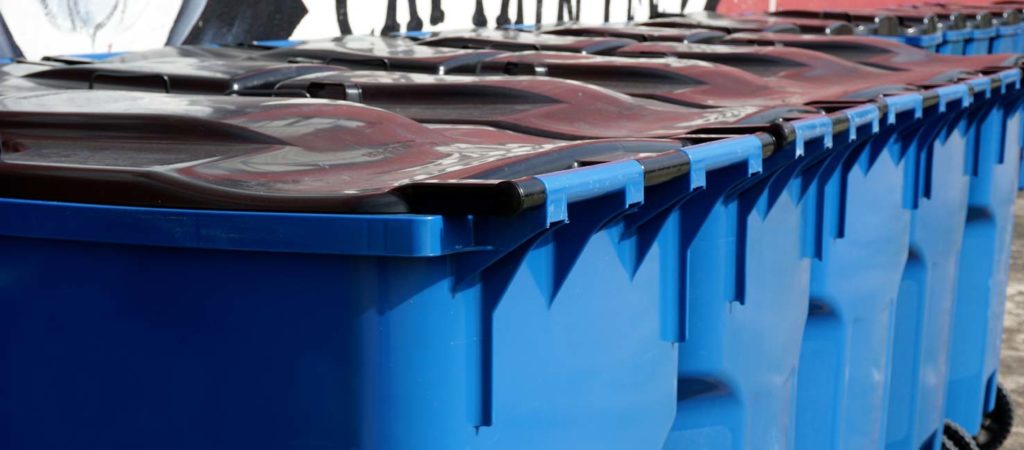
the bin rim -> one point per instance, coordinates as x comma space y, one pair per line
922, 40
957, 35
403, 235
983, 33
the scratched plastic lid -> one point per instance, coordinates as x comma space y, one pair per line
752, 22
723, 24
541, 106
270, 154
514, 40
379, 53
639, 33
687, 82
877, 21
693, 82
183, 74
880, 53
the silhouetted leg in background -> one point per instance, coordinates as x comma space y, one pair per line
391, 22
503, 19
415, 23
341, 7
479, 18
436, 13
519, 12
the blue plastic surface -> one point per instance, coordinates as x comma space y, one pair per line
923, 306
314, 331
953, 42
747, 258
845, 292
376, 331
1007, 39
930, 42
980, 41
985, 258
278, 43
768, 232
96, 56
864, 234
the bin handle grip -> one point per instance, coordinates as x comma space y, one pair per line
341, 61
164, 79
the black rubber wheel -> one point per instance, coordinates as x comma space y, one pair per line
956, 438
996, 425
947, 444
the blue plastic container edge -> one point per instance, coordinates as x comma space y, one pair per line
584, 183
1009, 77
520, 27
1010, 30
96, 56
726, 152
956, 35
812, 128
413, 34
860, 116
278, 43
923, 41
349, 234
981, 84
983, 33
953, 92
901, 103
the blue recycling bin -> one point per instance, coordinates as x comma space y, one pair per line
980, 41
747, 258
1007, 39
867, 197
985, 258
923, 307
224, 325
953, 42
313, 328
931, 42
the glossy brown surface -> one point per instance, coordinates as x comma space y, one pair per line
377, 53
512, 40
687, 82
830, 76
533, 105
186, 75
639, 33
881, 53
754, 22
252, 153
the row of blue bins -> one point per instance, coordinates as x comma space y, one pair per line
570, 237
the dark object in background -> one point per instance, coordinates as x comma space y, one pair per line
341, 7
391, 22
479, 18
224, 22
436, 13
8, 48
503, 18
415, 22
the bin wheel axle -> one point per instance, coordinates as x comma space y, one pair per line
996, 426
954, 437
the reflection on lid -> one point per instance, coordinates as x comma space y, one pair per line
243, 152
